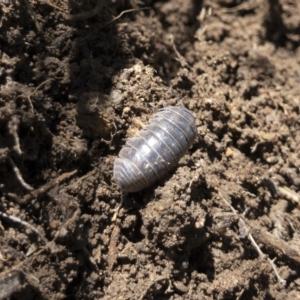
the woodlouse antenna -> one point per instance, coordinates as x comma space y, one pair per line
174, 94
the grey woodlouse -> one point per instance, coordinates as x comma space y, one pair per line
156, 149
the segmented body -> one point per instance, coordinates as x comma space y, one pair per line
156, 149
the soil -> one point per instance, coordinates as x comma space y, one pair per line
78, 78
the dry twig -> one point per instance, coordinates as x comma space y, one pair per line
243, 6
24, 223
271, 242
47, 187
240, 294
36, 89
33, 16
289, 194
280, 279
54, 6
116, 18
180, 58
253, 242
13, 126
19, 176
112, 248
125, 12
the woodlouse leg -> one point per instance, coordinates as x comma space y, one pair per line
123, 197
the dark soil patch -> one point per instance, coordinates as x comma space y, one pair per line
75, 84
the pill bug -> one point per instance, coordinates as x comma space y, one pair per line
156, 149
